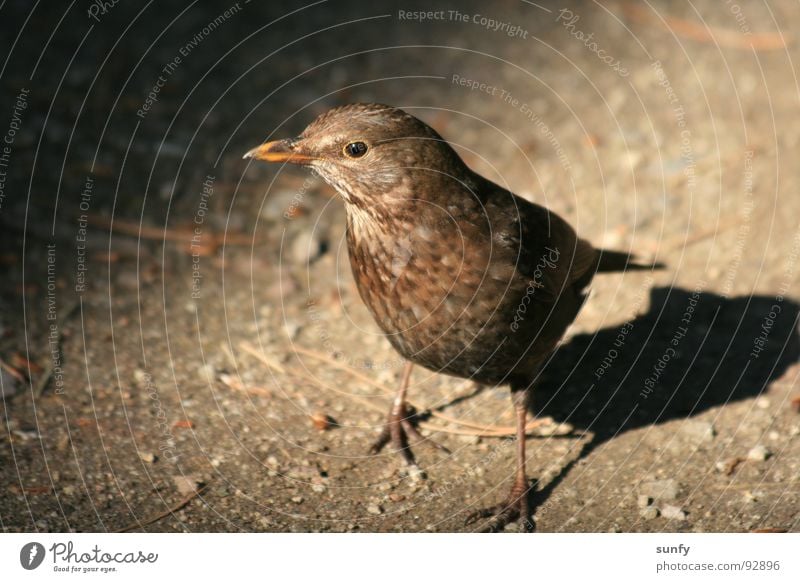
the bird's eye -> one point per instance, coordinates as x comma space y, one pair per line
355, 149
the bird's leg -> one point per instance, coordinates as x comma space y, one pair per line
399, 428
516, 504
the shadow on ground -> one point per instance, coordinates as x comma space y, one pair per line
690, 352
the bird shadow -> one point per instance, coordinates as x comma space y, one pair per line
689, 352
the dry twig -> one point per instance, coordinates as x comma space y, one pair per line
167, 512
470, 428
766, 41
209, 241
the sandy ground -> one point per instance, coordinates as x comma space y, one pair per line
202, 362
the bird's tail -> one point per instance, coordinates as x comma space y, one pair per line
616, 261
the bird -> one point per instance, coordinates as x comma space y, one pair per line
462, 276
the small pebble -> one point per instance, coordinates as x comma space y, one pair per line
292, 328
758, 453
186, 484
9, 385
321, 421
298, 499
633, 158
643, 500
649, 512
673, 512
141, 377
318, 488
374, 509
306, 248
147, 456
728, 466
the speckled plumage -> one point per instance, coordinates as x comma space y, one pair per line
444, 258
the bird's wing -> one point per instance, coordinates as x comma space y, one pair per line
551, 255
584, 260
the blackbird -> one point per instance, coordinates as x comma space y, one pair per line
461, 275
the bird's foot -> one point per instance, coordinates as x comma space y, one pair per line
497, 517
399, 430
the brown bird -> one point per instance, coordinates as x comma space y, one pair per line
461, 275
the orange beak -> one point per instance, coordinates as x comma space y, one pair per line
282, 150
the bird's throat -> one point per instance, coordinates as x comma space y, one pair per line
365, 223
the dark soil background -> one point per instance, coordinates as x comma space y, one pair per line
183, 348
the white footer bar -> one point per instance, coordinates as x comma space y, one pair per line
406, 557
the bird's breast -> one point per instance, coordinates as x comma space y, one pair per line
431, 289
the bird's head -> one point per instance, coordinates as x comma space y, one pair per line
367, 152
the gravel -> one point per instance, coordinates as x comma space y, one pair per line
143, 350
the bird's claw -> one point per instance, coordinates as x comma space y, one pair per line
398, 431
514, 508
